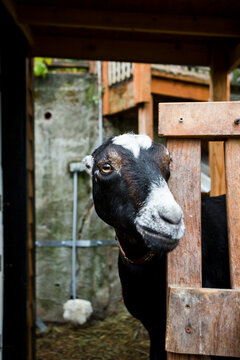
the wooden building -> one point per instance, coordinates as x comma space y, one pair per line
187, 32
133, 85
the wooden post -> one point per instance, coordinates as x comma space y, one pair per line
31, 213
180, 122
219, 91
143, 98
145, 118
142, 83
233, 210
105, 87
184, 263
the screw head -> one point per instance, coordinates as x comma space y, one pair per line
188, 329
181, 119
237, 121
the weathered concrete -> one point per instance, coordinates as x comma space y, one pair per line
70, 134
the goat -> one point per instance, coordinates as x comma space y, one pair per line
129, 177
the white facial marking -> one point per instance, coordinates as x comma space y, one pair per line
133, 142
161, 213
88, 162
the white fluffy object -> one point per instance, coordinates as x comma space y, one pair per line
77, 311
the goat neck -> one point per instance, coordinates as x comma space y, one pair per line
128, 251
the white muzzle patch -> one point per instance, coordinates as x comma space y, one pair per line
161, 214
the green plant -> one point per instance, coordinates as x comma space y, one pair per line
40, 66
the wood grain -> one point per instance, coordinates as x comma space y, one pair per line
217, 168
142, 82
31, 213
105, 87
114, 19
206, 119
145, 118
201, 321
219, 91
233, 208
120, 98
219, 76
184, 263
179, 88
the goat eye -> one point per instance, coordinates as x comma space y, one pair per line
106, 168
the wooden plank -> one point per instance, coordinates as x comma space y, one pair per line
30, 184
145, 118
14, 162
233, 208
209, 120
217, 168
105, 87
11, 7
184, 263
31, 220
30, 156
142, 82
30, 128
219, 91
128, 21
184, 78
29, 103
219, 77
130, 49
120, 98
203, 321
30, 211
181, 89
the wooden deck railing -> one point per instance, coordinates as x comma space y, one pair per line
119, 71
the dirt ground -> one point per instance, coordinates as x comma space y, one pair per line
119, 336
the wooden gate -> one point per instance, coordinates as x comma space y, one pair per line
201, 321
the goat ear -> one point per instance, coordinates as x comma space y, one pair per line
88, 162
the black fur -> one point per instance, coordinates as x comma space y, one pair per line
144, 286
117, 200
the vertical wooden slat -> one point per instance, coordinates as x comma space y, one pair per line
105, 81
145, 118
30, 135
143, 97
233, 208
219, 91
217, 168
142, 83
184, 263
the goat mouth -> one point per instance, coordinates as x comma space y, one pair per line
149, 234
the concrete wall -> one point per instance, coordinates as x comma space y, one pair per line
68, 135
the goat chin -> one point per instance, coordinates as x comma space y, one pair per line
77, 311
157, 242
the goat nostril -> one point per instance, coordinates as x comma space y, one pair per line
173, 220
154, 218
168, 220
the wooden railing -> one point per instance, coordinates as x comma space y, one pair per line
119, 71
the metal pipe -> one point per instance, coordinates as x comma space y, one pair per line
74, 232
79, 243
100, 117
